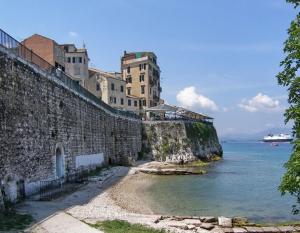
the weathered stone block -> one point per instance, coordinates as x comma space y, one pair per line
270, 229
286, 229
207, 226
254, 229
225, 222
238, 230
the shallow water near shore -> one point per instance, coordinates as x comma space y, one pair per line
245, 183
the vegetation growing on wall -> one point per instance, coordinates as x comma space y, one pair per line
179, 141
199, 131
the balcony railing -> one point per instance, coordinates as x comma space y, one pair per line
23, 52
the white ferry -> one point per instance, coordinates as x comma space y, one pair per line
278, 138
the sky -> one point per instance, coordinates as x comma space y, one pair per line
218, 57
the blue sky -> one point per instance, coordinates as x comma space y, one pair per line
218, 57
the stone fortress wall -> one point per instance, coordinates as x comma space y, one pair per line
47, 130
180, 141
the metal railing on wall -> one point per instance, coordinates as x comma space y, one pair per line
22, 51
51, 189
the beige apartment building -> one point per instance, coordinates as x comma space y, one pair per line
47, 49
142, 75
111, 89
76, 62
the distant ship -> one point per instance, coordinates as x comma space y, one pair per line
278, 138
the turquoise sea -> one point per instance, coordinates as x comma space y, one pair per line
245, 183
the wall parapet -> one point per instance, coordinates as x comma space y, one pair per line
13, 46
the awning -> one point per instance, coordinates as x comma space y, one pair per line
162, 108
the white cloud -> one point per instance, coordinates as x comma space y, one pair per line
260, 102
73, 34
189, 98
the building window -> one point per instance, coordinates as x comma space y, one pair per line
142, 77
150, 90
135, 103
128, 70
80, 59
142, 66
129, 79
128, 91
129, 102
110, 99
143, 89
122, 88
112, 86
69, 60
84, 61
144, 102
115, 100
122, 101
73, 59
98, 87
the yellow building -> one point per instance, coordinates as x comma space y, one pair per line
142, 76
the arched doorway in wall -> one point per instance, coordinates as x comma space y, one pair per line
59, 159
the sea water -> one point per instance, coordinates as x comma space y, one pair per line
245, 183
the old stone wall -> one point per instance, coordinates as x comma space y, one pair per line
180, 141
42, 120
2, 207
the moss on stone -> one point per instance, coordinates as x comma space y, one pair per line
198, 163
199, 131
216, 158
166, 148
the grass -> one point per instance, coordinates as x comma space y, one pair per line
245, 223
10, 220
289, 223
119, 226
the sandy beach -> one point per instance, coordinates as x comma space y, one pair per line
129, 193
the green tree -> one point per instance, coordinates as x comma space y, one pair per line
289, 77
